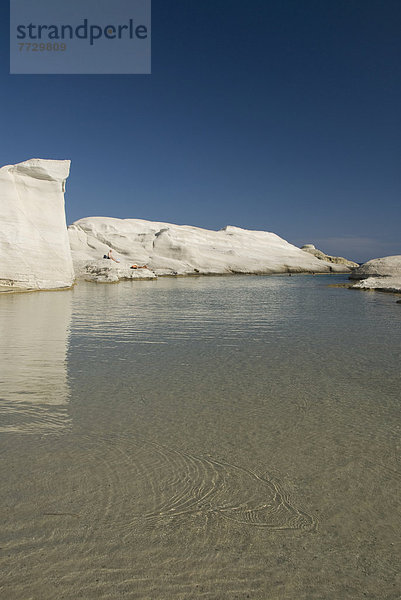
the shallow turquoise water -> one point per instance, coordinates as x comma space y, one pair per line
220, 437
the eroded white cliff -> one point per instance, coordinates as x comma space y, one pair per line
34, 245
339, 260
169, 249
38, 252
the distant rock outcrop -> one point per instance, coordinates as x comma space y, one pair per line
169, 249
34, 245
379, 274
388, 266
337, 260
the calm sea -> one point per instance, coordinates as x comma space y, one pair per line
213, 438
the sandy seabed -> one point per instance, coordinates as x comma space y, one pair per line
200, 438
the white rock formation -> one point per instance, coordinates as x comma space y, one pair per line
107, 271
384, 284
338, 260
379, 274
183, 250
389, 266
34, 245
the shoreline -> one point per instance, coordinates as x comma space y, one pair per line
4, 290
362, 289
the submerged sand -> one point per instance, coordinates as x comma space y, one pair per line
201, 438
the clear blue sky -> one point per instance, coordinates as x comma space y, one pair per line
283, 115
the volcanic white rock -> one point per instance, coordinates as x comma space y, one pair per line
338, 260
379, 274
34, 245
384, 284
388, 266
107, 271
183, 250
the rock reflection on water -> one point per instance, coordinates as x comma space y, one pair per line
34, 336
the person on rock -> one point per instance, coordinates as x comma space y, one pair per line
110, 255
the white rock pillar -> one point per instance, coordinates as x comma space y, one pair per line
34, 246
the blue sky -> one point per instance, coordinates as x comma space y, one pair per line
281, 115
